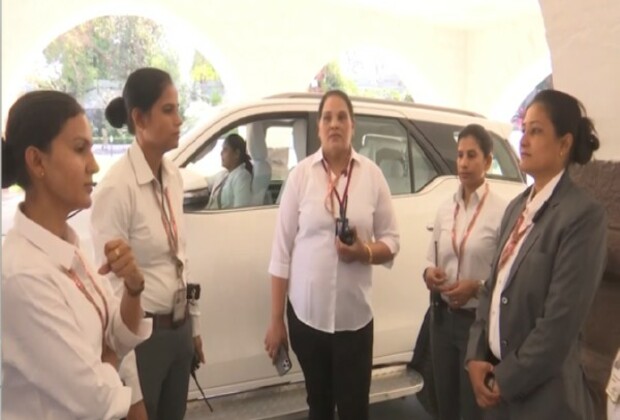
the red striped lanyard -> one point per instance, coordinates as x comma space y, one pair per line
170, 227
460, 250
515, 237
170, 224
80, 285
332, 183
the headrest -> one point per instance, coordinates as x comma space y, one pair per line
256, 141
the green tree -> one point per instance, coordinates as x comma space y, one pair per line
107, 48
202, 70
331, 77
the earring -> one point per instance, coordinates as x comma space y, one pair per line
42, 174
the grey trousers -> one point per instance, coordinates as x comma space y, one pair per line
449, 335
164, 363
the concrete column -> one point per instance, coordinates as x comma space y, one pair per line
584, 39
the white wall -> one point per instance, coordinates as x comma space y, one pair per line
585, 50
506, 60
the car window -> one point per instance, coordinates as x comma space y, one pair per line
423, 170
275, 145
389, 145
444, 137
384, 141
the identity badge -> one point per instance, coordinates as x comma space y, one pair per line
179, 305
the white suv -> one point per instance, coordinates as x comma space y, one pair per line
229, 250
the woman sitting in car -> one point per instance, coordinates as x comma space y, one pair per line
232, 187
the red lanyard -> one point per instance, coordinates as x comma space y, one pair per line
331, 189
515, 237
170, 227
80, 285
459, 251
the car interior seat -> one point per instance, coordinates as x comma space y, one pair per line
300, 135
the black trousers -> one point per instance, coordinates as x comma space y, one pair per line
449, 335
164, 362
337, 368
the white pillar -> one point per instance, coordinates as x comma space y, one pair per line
584, 39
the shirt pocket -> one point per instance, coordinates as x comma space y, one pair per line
143, 242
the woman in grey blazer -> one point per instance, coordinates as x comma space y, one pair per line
523, 350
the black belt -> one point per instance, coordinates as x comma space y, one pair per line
469, 312
164, 321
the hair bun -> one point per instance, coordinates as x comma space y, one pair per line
115, 112
586, 142
9, 174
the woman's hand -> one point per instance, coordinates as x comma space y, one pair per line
460, 293
434, 277
478, 372
354, 252
275, 337
137, 411
121, 262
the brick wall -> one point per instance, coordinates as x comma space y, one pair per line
601, 333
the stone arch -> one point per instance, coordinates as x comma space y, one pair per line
515, 91
160, 14
419, 87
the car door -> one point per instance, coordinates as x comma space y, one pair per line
229, 249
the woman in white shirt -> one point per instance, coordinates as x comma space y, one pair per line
335, 221
62, 326
465, 239
524, 356
141, 200
233, 187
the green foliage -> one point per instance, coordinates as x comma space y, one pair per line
331, 77
107, 48
93, 60
202, 70
334, 79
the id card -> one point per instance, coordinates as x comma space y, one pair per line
613, 388
179, 305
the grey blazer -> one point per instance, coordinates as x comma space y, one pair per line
546, 299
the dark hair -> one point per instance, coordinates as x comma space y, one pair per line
481, 135
236, 143
142, 89
568, 115
35, 119
341, 95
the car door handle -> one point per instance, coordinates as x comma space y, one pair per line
430, 228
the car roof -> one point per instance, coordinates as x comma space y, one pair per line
316, 96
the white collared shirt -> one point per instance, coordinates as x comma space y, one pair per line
52, 335
326, 293
125, 206
534, 203
481, 244
231, 189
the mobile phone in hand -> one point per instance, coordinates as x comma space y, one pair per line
283, 362
489, 381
